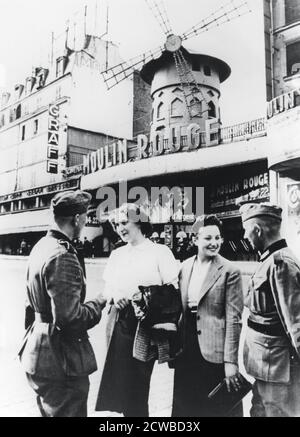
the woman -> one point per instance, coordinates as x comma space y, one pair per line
124, 387
212, 299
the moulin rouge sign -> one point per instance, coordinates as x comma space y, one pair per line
283, 103
117, 153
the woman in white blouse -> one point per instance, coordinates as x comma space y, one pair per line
212, 300
124, 387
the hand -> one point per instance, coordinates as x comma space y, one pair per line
232, 376
102, 300
122, 303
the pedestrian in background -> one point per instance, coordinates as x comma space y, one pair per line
212, 300
87, 247
272, 345
181, 244
56, 353
125, 380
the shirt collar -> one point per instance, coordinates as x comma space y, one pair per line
280, 244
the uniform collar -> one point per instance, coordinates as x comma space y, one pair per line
59, 235
280, 244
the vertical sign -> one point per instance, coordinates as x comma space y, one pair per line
53, 139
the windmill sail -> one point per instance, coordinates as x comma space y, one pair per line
121, 71
160, 14
226, 13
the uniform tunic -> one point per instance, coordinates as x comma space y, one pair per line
56, 353
272, 347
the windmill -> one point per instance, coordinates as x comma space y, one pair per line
173, 47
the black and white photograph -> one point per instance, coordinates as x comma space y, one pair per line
150, 210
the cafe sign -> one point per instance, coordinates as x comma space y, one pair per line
38, 191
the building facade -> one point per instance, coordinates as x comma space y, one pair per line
49, 123
189, 164
282, 29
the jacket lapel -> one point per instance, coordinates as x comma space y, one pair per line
213, 274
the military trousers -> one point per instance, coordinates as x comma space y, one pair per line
277, 399
61, 398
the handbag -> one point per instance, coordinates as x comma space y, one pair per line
226, 400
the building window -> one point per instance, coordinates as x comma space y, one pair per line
211, 110
45, 201
196, 107
177, 108
12, 115
207, 70
29, 203
35, 127
293, 58
23, 132
6, 207
177, 90
60, 66
15, 206
18, 112
160, 110
196, 65
292, 11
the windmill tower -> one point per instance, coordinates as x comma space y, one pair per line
185, 86
184, 92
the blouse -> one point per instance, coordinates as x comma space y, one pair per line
144, 264
198, 276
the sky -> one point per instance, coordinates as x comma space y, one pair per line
26, 26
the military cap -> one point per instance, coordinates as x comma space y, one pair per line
251, 210
69, 203
181, 234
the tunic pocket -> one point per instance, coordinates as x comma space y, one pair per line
267, 358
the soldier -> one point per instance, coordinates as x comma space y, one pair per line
272, 345
56, 353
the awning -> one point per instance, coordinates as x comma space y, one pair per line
21, 222
200, 159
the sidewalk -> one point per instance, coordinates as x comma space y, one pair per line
16, 398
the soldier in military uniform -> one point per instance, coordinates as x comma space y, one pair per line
56, 353
272, 345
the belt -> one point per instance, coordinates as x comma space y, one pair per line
43, 318
275, 330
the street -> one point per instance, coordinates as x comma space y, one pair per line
16, 398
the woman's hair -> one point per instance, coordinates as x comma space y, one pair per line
134, 214
207, 220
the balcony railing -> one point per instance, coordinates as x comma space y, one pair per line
229, 134
239, 131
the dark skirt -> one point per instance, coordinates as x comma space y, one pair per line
125, 383
195, 378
